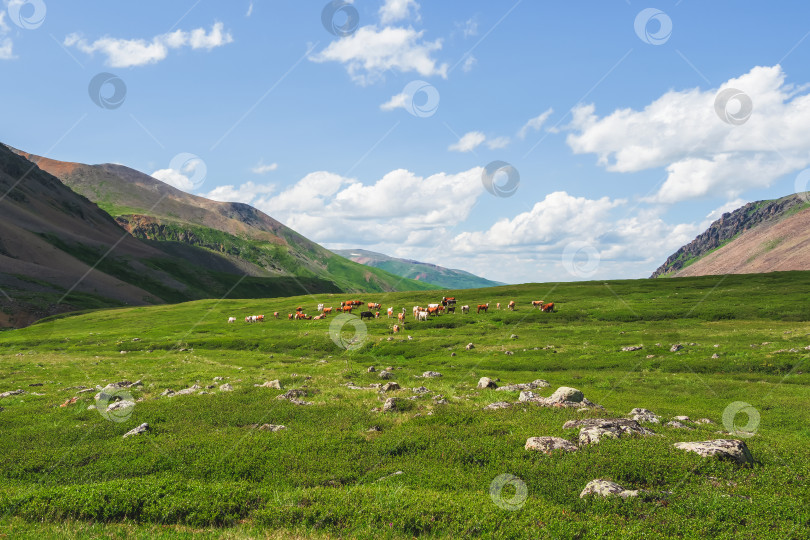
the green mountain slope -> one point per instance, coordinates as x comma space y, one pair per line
446, 278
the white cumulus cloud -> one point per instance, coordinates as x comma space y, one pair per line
123, 53
703, 155
174, 178
468, 142
245, 193
398, 101
370, 51
397, 10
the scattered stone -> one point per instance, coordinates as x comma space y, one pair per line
371, 369
513, 336
167, 393
123, 404
86, 390
217, 378
549, 444
731, 449
645, 415
441, 402
567, 394
35, 384
538, 383
632, 348
226, 388
675, 348
716, 345
390, 404
210, 386
715, 356
452, 354
374, 429
409, 338
272, 427
89, 408
679, 425
525, 395
385, 375
650, 356
12, 393
143, 428
681, 418
486, 382
273, 384
292, 394
420, 390
300, 402
431, 374
189, 390
606, 488
470, 346
388, 387
508, 353
592, 430
498, 405
703, 421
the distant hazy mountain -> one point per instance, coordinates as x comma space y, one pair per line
430, 273
763, 236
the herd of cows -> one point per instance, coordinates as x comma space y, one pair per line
420, 313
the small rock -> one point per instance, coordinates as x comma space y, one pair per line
189, 390
606, 488
537, 383
420, 390
12, 393
371, 369
137, 431
679, 425
217, 378
123, 404
272, 427
650, 356
703, 421
645, 415
632, 348
390, 404
549, 444
498, 405
292, 394
525, 395
566, 393
715, 356
226, 388
167, 392
374, 429
681, 418
273, 384
385, 375
513, 336
452, 354
388, 387
470, 346
409, 338
508, 353
675, 348
486, 382
730, 449
431, 374
35, 384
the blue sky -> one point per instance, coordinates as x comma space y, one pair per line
610, 119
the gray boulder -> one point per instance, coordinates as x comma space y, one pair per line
549, 444
606, 488
486, 382
730, 449
566, 394
143, 428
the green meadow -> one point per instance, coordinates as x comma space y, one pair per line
343, 468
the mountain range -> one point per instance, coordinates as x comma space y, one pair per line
77, 236
430, 273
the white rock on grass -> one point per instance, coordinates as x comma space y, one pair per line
143, 428
385, 375
12, 393
730, 449
431, 374
486, 382
566, 394
677, 424
118, 405
189, 390
273, 384
498, 405
388, 387
549, 444
538, 383
272, 427
593, 430
606, 488
645, 415
681, 418
226, 388
390, 405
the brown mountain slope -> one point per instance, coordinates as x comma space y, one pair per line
167, 217
760, 237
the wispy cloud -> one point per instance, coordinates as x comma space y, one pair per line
262, 168
534, 124
123, 53
468, 142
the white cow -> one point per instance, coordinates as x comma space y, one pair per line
423, 316
465, 309
433, 305
320, 307
390, 312
231, 319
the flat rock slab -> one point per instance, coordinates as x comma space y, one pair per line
678, 425
567, 394
486, 382
388, 387
644, 415
592, 430
272, 427
539, 383
12, 393
390, 405
606, 488
497, 405
143, 428
431, 374
550, 444
730, 449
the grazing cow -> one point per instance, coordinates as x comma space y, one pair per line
320, 307
396, 328
465, 309
304, 317
373, 305
366, 315
290, 316
451, 309
275, 314
537, 303
483, 307
390, 312
448, 301
416, 310
347, 309
401, 317
433, 306
376, 314
422, 315
548, 308
433, 310
498, 305
511, 305
327, 310
231, 319
319, 317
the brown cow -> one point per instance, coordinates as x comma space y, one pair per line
401, 317
548, 308
511, 305
537, 303
483, 307
327, 310
275, 314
